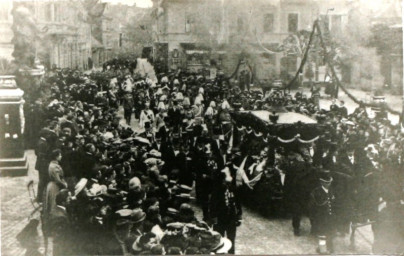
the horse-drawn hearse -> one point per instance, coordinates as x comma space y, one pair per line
278, 149
261, 135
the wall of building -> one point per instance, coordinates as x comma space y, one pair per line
6, 34
65, 38
245, 26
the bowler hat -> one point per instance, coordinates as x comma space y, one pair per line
138, 216
325, 176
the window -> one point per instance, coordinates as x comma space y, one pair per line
269, 58
188, 23
58, 16
4, 12
289, 63
325, 20
120, 39
293, 22
269, 22
48, 12
336, 22
240, 23
292, 63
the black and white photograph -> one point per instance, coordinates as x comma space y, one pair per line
201, 127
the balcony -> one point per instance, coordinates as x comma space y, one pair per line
176, 37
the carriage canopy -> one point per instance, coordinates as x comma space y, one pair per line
285, 126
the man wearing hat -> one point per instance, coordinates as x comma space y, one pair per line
348, 159
128, 104
223, 206
342, 109
175, 114
60, 228
322, 216
184, 163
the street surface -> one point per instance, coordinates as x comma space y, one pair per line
256, 235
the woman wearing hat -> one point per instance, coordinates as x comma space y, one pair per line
55, 184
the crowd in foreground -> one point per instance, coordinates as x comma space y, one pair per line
106, 189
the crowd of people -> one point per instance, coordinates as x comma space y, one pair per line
108, 188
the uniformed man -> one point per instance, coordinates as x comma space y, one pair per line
322, 216
223, 206
146, 115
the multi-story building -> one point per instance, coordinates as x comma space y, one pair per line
6, 20
67, 38
192, 34
392, 59
64, 36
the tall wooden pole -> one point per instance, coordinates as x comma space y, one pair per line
402, 56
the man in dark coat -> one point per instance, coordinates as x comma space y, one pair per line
343, 110
42, 162
322, 205
60, 227
175, 115
128, 107
184, 163
88, 162
298, 182
209, 165
365, 195
223, 207
348, 160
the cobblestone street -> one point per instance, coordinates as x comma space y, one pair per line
15, 208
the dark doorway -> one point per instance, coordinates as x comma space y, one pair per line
161, 57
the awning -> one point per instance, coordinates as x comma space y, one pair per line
195, 52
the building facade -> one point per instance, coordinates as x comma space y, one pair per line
67, 39
6, 20
212, 33
64, 39
392, 60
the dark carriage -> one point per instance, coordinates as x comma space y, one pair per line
277, 129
